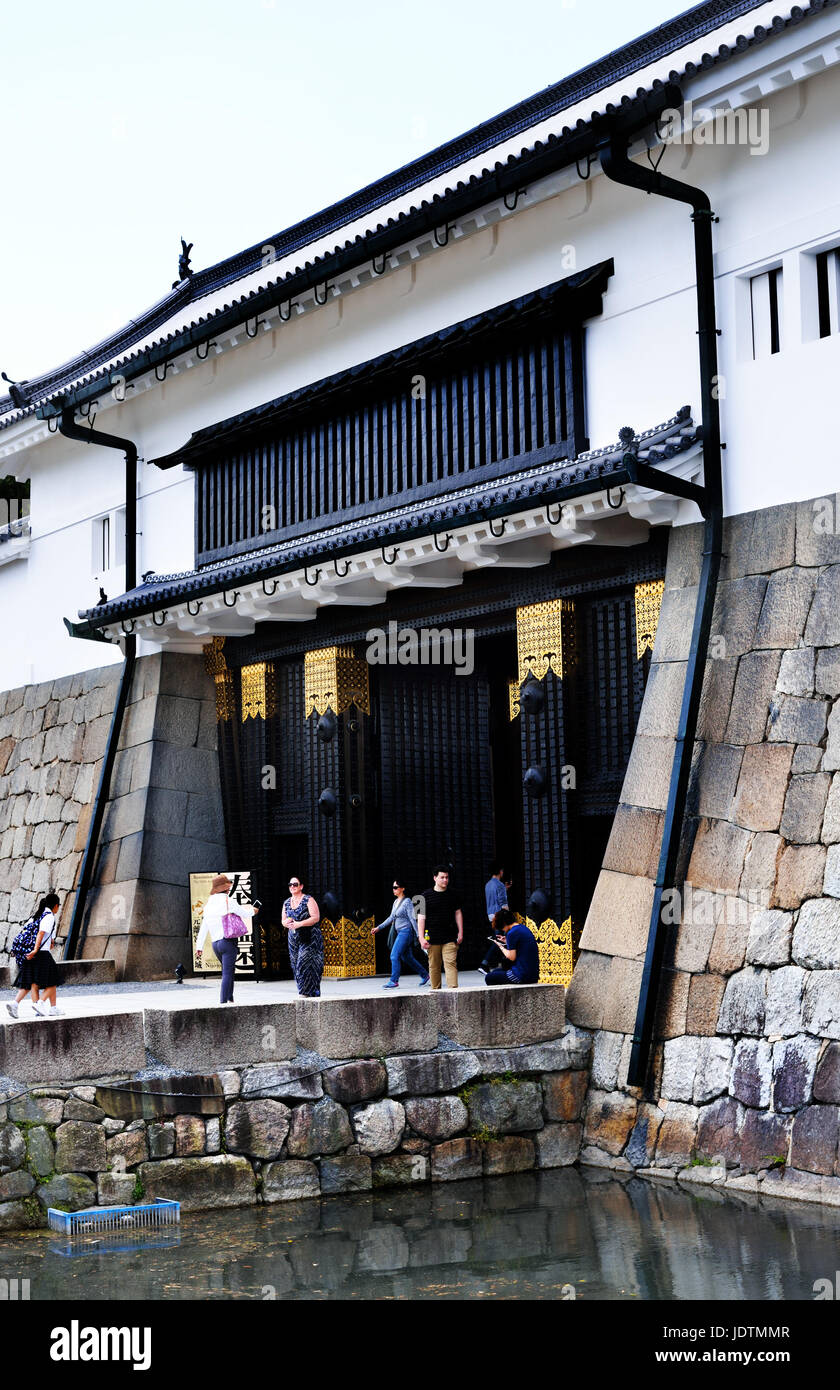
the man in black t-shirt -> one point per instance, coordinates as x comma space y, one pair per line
440, 926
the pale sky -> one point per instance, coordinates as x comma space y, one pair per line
125, 127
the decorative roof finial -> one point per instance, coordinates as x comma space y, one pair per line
184, 269
627, 439
18, 397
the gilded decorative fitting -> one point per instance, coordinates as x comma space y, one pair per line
513, 697
648, 599
545, 638
259, 691
349, 951
556, 949
216, 666
335, 678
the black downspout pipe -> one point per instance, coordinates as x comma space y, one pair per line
69, 428
617, 166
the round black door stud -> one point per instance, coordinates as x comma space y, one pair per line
328, 802
326, 727
531, 696
538, 906
534, 782
331, 908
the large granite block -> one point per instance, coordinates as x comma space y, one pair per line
738, 604
755, 684
618, 919
762, 784
170, 858
215, 1181
785, 608
86, 972
205, 1039
633, 846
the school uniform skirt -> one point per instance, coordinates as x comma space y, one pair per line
41, 971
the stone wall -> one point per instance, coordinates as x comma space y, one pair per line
52, 737
746, 1070
164, 819
301, 1129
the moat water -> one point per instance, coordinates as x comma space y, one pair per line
553, 1235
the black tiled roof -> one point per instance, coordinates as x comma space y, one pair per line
585, 474
584, 290
650, 47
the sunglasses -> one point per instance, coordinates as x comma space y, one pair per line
293, 883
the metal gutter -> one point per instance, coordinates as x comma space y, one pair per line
69, 428
618, 167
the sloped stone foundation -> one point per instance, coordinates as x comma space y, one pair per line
745, 1081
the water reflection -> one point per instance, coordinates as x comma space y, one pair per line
524, 1236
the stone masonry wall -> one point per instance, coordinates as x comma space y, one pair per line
301, 1129
746, 1073
164, 818
52, 737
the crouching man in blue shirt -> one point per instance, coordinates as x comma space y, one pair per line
519, 946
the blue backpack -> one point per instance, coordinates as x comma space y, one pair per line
24, 942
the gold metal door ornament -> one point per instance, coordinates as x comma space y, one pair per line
349, 951
648, 599
545, 638
216, 666
259, 691
335, 678
557, 950
513, 697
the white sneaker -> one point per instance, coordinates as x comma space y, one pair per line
13, 1010
42, 1010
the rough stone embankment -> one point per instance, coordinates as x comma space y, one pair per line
301, 1129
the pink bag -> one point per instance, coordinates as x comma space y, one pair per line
232, 923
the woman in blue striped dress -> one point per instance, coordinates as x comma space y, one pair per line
301, 918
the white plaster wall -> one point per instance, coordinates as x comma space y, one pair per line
778, 414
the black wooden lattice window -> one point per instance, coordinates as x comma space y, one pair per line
462, 413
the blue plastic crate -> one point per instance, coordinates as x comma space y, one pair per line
93, 1220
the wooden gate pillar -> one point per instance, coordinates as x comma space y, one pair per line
337, 711
546, 639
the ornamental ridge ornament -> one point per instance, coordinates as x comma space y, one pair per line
335, 678
648, 597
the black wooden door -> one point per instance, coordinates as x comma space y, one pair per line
436, 786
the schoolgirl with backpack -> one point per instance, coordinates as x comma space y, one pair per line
37, 970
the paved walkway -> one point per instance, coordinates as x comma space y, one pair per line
78, 1001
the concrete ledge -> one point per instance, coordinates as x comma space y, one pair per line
225, 1036
68, 1049
365, 1027
209, 1037
72, 972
